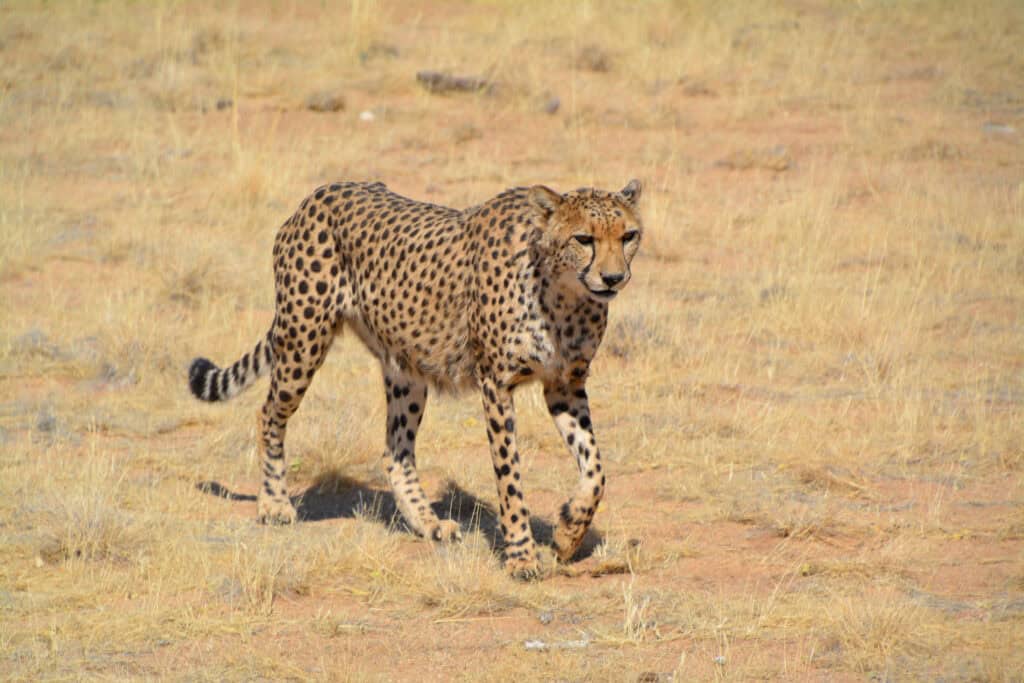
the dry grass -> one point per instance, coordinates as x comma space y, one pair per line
810, 399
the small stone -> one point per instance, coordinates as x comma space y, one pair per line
552, 104
998, 128
367, 116
325, 101
574, 644
561, 645
546, 617
439, 82
719, 660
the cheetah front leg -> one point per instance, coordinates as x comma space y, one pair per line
571, 412
407, 397
520, 551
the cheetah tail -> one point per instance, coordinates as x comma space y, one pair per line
211, 383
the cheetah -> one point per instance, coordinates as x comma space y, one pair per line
511, 291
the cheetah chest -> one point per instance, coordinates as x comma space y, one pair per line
557, 345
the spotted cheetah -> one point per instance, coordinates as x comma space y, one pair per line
511, 291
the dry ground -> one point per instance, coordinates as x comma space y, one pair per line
810, 399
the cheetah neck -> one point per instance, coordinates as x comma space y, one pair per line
574, 321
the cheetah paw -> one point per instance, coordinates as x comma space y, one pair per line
445, 531
565, 543
276, 512
533, 567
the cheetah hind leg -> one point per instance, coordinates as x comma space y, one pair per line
290, 376
406, 398
273, 505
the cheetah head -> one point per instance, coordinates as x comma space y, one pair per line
591, 236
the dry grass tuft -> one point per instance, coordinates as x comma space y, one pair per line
81, 515
465, 580
267, 571
878, 635
636, 624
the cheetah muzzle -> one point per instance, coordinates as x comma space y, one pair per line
511, 291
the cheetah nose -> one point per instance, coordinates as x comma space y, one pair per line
613, 279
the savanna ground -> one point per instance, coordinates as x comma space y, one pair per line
810, 399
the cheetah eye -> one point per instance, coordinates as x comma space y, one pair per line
630, 235
584, 239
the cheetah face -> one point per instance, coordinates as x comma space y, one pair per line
592, 236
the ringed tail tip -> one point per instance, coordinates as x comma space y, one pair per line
198, 372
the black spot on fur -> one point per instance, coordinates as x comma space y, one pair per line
558, 408
566, 514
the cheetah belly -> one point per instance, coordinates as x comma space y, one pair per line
435, 348
370, 340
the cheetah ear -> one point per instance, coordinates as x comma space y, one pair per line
630, 194
545, 200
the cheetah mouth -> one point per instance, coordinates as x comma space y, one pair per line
603, 294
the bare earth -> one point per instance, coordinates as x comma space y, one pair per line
810, 400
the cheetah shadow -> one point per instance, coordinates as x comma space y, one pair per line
336, 496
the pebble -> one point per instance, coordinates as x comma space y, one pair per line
440, 82
998, 128
540, 645
325, 101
